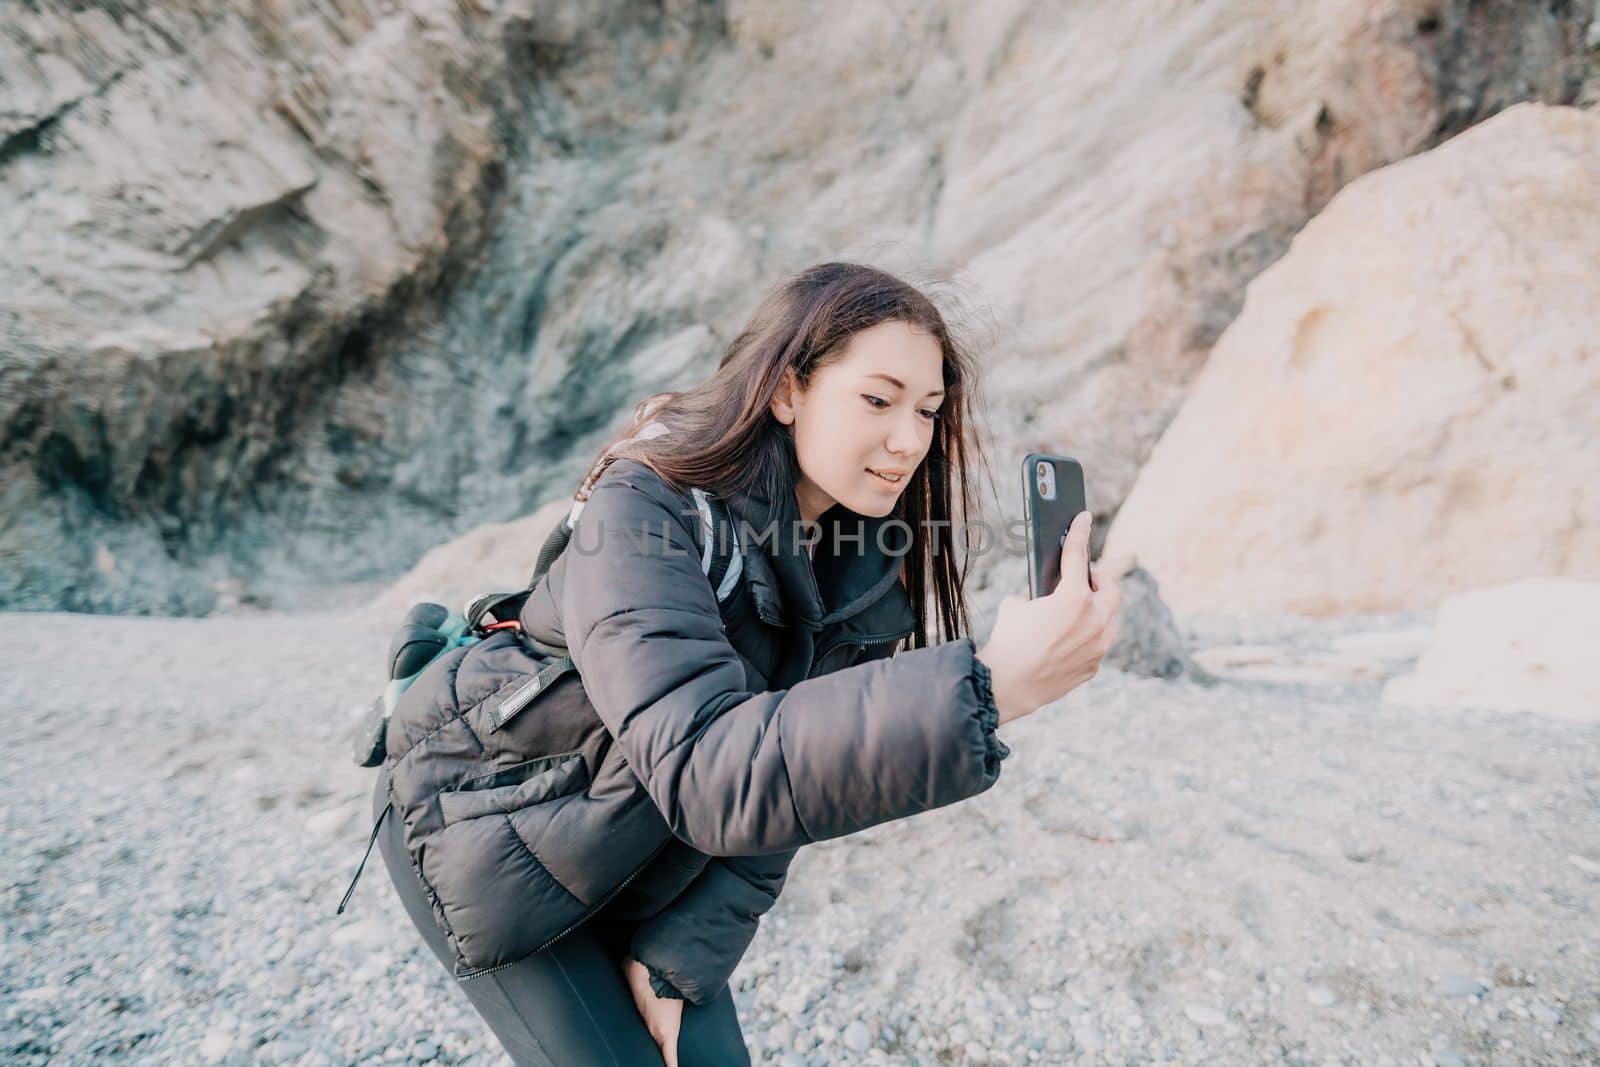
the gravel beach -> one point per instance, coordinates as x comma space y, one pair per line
1165, 874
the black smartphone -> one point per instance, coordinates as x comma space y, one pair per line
1052, 494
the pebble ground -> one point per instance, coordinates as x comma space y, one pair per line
1164, 874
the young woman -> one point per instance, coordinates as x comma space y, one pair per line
836, 431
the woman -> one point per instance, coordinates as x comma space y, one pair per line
836, 432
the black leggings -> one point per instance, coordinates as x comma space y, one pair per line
569, 1005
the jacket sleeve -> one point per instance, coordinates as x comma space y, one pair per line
742, 773
693, 945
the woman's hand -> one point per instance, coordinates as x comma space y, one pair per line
663, 1016
1042, 649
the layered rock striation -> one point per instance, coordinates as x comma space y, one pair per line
295, 294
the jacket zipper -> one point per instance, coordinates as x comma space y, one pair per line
864, 642
579, 921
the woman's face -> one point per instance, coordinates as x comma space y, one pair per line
873, 409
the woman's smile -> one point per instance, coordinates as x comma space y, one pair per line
891, 479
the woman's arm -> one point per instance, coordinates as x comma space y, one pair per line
692, 946
741, 773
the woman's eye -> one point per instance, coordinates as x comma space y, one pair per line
880, 403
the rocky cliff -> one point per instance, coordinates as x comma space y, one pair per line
295, 292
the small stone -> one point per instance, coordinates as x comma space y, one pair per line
1445, 1057
1040, 1002
1088, 1038
330, 820
1458, 985
283, 1050
1587, 866
367, 933
216, 1044
976, 1053
1201, 1015
423, 1051
1321, 996
857, 1037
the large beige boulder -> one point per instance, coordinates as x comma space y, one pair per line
1119, 172
1524, 646
1408, 404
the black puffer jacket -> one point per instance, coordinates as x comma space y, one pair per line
727, 739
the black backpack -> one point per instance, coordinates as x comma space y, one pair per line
430, 631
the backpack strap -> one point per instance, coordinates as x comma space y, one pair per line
720, 557
554, 544
720, 561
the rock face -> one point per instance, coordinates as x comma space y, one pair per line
1524, 646
296, 295
1406, 408
200, 208
220, 225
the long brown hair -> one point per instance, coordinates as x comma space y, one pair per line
721, 436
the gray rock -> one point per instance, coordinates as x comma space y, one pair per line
283, 1050
215, 1044
1202, 1015
793, 1003
857, 1037
1321, 996
1458, 985
1150, 644
781, 1034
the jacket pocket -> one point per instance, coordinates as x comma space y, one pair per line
516, 787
